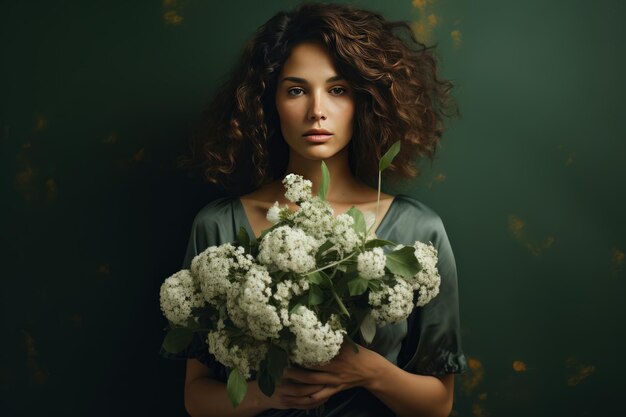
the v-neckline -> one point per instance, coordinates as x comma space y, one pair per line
251, 231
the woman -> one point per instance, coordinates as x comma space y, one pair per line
338, 84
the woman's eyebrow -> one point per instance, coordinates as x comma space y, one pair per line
303, 81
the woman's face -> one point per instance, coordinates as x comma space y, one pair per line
315, 104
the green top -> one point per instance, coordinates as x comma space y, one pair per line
427, 343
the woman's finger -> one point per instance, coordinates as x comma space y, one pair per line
325, 393
299, 390
303, 402
310, 377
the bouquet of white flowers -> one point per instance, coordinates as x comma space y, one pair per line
293, 296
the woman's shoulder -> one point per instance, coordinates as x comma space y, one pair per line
215, 211
415, 207
415, 220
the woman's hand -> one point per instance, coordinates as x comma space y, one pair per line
346, 370
291, 394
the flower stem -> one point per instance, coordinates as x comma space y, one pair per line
329, 265
343, 308
377, 202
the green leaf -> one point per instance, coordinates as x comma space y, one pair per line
355, 347
387, 158
264, 380
359, 221
244, 238
278, 360
368, 328
269, 229
376, 243
325, 246
403, 262
323, 189
326, 281
315, 278
357, 286
316, 295
177, 339
374, 284
236, 387
295, 308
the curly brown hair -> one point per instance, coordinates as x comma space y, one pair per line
398, 95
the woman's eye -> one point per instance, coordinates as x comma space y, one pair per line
295, 91
337, 91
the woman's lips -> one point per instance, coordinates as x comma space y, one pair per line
318, 137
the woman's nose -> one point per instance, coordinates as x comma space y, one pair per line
317, 110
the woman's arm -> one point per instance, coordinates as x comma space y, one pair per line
413, 395
207, 397
406, 394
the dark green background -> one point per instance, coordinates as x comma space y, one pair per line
98, 98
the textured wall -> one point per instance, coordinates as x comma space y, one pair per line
97, 99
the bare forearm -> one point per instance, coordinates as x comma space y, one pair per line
409, 395
206, 397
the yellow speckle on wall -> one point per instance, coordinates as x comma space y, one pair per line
421, 4
617, 259
25, 176
104, 269
421, 31
516, 225
582, 373
456, 37
423, 27
172, 17
139, 155
519, 366
482, 396
577, 371
41, 123
169, 3
24, 180
439, 178
479, 410
51, 189
517, 229
470, 380
112, 138
38, 375
569, 157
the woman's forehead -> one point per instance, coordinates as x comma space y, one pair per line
309, 61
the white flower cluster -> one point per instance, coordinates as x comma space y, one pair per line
298, 189
276, 214
288, 249
215, 267
228, 279
371, 264
179, 295
248, 307
241, 356
316, 343
428, 279
316, 217
391, 304
343, 234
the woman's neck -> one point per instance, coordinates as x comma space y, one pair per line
343, 184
